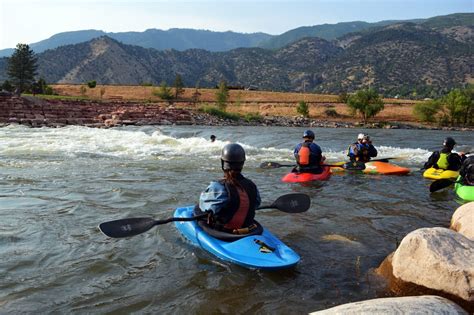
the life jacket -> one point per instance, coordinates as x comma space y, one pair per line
359, 151
443, 161
240, 208
304, 154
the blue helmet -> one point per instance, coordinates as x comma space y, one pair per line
308, 134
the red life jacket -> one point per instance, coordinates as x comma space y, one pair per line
238, 219
304, 154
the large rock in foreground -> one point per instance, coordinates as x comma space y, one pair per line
463, 220
433, 261
427, 304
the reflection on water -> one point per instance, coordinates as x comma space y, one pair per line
57, 185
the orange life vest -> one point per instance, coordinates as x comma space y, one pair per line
304, 155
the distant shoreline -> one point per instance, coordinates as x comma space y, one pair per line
36, 112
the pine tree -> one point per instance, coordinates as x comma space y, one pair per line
22, 67
178, 86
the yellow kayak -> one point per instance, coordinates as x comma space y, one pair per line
434, 173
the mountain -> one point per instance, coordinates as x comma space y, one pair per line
325, 31
110, 62
179, 39
402, 58
182, 39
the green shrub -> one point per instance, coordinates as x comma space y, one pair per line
427, 111
92, 84
212, 110
252, 117
303, 109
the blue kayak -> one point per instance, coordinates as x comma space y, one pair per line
255, 251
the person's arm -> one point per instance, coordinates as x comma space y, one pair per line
432, 160
297, 149
372, 151
214, 198
454, 161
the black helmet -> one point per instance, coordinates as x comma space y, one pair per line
308, 134
449, 142
232, 157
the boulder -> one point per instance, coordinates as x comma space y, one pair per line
427, 304
439, 259
463, 220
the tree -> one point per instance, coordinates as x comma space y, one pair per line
426, 111
367, 102
222, 95
303, 109
456, 106
164, 92
7, 86
22, 67
40, 87
178, 86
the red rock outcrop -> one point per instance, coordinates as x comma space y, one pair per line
38, 112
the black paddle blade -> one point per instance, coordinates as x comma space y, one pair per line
126, 227
292, 203
440, 184
354, 166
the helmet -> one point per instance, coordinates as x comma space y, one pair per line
308, 134
232, 157
449, 142
360, 136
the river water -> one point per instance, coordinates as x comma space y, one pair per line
57, 185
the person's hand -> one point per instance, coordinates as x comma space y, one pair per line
461, 154
323, 158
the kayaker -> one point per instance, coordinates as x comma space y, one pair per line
308, 155
213, 138
231, 202
362, 150
445, 159
467, 171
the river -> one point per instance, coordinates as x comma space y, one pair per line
57, 185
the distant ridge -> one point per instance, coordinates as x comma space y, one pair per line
183, 39
407, 59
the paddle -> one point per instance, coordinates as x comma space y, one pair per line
290, 203
358, 167
441, 183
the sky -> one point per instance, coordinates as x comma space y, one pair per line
30, 21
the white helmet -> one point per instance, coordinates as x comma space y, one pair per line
360, 136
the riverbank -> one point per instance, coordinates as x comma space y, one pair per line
37, 112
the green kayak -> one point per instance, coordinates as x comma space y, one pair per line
464, 192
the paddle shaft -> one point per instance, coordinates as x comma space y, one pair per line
290, 203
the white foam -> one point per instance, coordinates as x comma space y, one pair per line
150, 142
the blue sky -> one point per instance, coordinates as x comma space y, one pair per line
29, 21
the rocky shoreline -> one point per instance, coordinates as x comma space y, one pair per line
36, 112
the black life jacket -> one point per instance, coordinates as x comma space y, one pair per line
237, 211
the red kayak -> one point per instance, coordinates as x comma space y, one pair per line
307, 177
